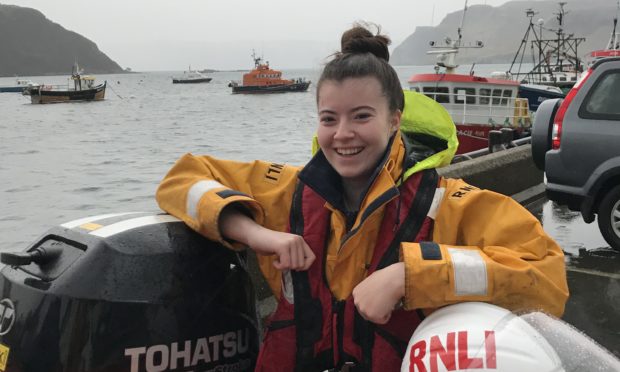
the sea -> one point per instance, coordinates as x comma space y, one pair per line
60, 162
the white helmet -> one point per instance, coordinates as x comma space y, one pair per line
476, 336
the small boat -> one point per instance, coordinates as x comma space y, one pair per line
79, 88
263, 79
476, 104
191, 77
536, 94
19, 86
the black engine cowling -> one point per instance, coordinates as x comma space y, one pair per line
126, 292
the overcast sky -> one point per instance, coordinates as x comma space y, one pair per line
220, 34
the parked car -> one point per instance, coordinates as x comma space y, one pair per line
576, 141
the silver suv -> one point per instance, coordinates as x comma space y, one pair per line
576, 141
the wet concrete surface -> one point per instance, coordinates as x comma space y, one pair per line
593, 273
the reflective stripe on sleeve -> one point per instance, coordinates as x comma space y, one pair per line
196, 192
470, 272
432, 211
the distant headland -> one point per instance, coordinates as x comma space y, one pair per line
32, 45
502, 28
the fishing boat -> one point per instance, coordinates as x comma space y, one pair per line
78, 88
476, 104
556, 60
536, 94
19, 86
613, 45
262, 79
191, 77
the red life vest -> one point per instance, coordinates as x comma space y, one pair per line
319, 332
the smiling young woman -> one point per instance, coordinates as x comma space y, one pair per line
366, 239
354, 130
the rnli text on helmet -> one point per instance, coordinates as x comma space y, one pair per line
159, 358
454, 355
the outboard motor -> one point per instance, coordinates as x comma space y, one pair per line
126, 292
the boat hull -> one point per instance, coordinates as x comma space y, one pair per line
191, 81
280, 88
39, 95
535, 96
11, 89
473, 137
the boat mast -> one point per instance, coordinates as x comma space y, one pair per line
446, 55
560, 34
563, 48
613, 40
257, 60
75, 76
461, 26
530, 13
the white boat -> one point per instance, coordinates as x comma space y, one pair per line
19, 86
476, 104
191, 77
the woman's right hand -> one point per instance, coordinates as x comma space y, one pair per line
291, 250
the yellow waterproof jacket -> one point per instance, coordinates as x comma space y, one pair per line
492, 249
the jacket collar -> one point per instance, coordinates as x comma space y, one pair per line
321, 177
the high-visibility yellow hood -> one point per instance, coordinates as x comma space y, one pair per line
427, 123
430, 133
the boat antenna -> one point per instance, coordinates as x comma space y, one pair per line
613, 44
446, 56
461, 26
256, 59
471, 70
529, 13
560, 17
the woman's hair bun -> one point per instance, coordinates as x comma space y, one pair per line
359, 40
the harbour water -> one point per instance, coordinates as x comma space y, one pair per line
60, 162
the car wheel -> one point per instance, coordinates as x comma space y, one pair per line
609, 217
541, 131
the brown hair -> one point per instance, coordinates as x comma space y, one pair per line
365, 54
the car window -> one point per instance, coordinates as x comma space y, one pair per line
604, 98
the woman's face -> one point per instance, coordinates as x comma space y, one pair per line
355, 125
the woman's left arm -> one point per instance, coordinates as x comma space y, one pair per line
486, 247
